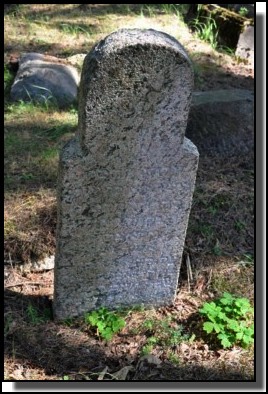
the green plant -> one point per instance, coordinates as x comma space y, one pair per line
217, 250
230, 320
8, 325
107, 323
206, 230
34, 316
8, 78
73, 29
243, 11
164, 333
227, 50
173, 358
207, 30
239, 225
212, 210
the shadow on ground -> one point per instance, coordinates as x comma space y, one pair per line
61, 350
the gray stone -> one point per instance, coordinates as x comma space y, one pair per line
45, 264
41, 78
221, 122
77, 60
126, 180
245, 45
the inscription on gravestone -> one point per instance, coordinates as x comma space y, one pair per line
126, 180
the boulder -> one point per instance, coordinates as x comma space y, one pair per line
43, 78
245, 46
221, 122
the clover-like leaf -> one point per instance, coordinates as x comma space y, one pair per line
224, 340
208, 327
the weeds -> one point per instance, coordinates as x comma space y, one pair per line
8, 78
34, 316
207, 30
230, 319
243, 11
67, 28
7, 325
107, 323
164, 333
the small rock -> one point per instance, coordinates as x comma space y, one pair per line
245, 46
41, 78
43, 265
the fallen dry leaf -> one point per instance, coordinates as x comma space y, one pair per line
102, 373
122, 373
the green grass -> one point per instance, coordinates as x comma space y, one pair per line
206, 30
35, 317
74, 29
164, 333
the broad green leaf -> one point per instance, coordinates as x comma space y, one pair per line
218, 327
208, 308
107, 334
224, 340
227, 299
208, 327
233, 325
222, 316
239, 335
247, 340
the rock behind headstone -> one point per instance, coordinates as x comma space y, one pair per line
126, 181
245, 45
41, 78
221, 122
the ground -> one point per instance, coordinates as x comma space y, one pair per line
219, 245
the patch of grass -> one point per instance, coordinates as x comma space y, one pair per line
9, 227
174, 358
7, 324
243, 11
30, 107
235, 278
206, 30
8, 78
175, 9
239, 225
217, 249
164, 333
227, 50
74, 29
35, 317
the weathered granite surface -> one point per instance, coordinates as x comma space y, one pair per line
245, 45
221, 122
126, 181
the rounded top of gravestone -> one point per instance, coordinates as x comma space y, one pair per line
134, 80
123, 38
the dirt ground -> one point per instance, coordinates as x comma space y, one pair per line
221, 255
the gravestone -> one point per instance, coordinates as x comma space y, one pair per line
221, 122
126, 180
245, 45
